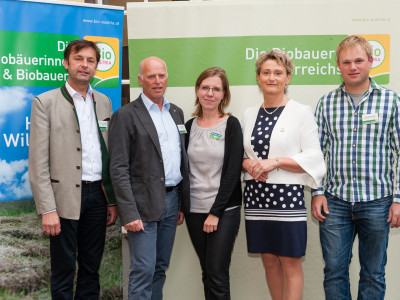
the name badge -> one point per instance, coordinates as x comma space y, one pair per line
215, 135
103, 125
370, 118
182, 128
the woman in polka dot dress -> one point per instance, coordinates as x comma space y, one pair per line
282, 154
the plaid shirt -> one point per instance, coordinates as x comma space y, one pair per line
361, 153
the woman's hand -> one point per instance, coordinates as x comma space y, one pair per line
249, 165
211, 224
261, 168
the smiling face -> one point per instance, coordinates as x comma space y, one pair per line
354, 65
273, 78
210, 93
153, 79
81, 67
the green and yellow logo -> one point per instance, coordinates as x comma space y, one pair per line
381, 53
107, 75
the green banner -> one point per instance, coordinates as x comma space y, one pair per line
313, 55
40, 64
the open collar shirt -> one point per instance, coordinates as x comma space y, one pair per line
91, 149
360, 144
169, 138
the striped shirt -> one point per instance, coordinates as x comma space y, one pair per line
360, 144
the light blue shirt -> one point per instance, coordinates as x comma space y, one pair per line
169, 138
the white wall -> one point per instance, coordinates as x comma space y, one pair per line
332, 17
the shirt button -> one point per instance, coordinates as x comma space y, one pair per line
354, 178
162, 179
354, 161
78, 149
78, 167
77, 130
354, 145
355, 129
77, 185
355, 114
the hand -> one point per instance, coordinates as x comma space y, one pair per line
112, 214
211, 224
181, 217
261, 168
253, 168
134, 226
51, 223
317, 204
394, 215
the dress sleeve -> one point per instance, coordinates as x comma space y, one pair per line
310, 158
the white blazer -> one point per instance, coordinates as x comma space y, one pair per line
295, 135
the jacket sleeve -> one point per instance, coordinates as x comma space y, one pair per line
232, 167
119, 142
39, 158
310, 158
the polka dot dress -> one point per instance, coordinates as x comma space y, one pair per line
276, 219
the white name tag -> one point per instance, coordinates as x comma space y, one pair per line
370, 118
182, 128
103, 125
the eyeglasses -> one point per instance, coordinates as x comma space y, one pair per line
205, 89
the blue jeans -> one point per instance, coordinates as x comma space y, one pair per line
214, 251
151, 250
368, 220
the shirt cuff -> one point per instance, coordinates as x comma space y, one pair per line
50, 211
318, 192
396, 197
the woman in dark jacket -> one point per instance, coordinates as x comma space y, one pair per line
215, 148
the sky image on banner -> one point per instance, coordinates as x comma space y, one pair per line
34, 36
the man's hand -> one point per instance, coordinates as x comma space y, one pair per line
181, 217
134, 226
319, 203
112, 214
51, 223
211, 224
394, 215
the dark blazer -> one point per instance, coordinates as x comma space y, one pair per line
136, 166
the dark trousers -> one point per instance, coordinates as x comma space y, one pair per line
214, 251
86, 237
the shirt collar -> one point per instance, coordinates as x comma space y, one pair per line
150, 104
72, 92
372, 86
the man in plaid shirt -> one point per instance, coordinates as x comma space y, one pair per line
359, 127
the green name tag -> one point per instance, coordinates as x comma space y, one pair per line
215, 135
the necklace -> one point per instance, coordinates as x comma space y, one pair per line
270, 113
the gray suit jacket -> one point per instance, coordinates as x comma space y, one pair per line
55, 157
136, 166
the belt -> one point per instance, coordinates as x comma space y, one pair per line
169, 188
85, 182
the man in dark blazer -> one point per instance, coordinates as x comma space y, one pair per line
69, 173
149, 171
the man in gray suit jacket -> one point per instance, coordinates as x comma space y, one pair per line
149, 171
69, 173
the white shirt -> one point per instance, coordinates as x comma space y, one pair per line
91, 149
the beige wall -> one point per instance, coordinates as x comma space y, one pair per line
254, 18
